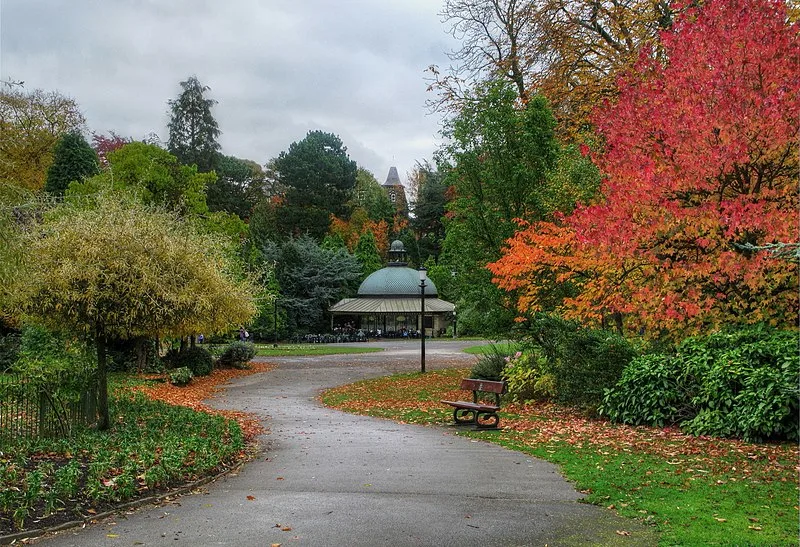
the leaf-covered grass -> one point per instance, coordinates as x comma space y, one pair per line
505, 348
162, 436
300, 350
695, 490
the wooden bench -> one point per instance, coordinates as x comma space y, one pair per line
476, 413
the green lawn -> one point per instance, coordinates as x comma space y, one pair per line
298, 350
693, 490
504, 347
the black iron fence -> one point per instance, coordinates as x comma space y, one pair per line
46, 405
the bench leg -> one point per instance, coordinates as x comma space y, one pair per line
487, 420
464, 416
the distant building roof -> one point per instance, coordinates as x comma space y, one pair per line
393, 179
393, 290
395, 281
369, 306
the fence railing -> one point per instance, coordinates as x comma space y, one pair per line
50, 405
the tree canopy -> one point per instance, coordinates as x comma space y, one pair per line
30, 125
193, 131
73, 160
317, 176
311, 278
702, 161
156, 174
120, 269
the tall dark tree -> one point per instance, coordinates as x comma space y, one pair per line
311, 278
73, 159
429, 210
239, 186
193, 131
318, 177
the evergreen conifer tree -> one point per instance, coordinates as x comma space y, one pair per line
193, 131
73, 160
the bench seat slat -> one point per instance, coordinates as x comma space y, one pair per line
472, 406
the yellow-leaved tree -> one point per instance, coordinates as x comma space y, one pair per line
118, 269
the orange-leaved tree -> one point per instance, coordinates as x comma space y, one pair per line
701, 162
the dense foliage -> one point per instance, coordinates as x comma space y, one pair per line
568, 363
237, 354
31, 123
317, 176
740, 383
701, 159
197, 359
117, 269
73, 160
311, 279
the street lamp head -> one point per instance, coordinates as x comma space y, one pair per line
423, 274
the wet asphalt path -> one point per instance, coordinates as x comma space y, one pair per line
329, 478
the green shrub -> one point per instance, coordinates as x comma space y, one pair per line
490, 364
237, 354
526, 378
651, 391
180, 376
197, 359
43, 351
9, 350
575, 365
591, 362
739, 384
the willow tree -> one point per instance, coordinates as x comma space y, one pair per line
121, 270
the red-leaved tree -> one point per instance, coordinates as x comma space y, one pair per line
701, 159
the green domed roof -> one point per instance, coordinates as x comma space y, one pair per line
395, 281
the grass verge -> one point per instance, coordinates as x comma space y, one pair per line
161, 437
504, 348
694, 490
299, 350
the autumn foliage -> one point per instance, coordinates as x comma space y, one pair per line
359, 223
701, 160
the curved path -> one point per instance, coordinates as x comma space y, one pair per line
329, 478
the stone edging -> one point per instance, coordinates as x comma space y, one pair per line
37, 532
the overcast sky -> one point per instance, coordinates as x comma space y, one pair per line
278, 68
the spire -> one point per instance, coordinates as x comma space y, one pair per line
392, 179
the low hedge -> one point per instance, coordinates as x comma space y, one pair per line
739, 383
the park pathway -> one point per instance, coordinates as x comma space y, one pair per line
326, 478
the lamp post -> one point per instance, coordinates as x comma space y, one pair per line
423, 275
453, 275
275, 318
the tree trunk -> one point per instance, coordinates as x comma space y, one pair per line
104, 422
141, 354
618, 322
183, 345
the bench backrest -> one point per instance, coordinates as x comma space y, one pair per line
487, 386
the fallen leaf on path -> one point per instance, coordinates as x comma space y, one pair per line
251, 498
623, 533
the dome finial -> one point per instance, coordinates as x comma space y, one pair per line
397, 253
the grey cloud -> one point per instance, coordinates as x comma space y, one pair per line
277, 68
